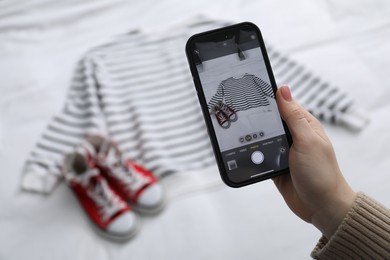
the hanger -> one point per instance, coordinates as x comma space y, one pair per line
239, 51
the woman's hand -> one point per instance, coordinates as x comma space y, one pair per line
315, 190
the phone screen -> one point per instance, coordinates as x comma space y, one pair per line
240, 99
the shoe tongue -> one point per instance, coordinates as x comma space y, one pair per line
87, 149
104, 148
112, 157
91, 176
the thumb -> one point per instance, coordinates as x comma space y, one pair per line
292, 113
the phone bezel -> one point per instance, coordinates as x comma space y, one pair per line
190, 47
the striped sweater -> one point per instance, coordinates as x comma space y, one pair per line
243, 93
137, 89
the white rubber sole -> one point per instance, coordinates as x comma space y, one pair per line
151, 210
118, 238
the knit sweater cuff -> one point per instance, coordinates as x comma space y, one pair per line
363, 234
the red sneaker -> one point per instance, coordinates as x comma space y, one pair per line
108, 211
222, 118
132, 182
228, 111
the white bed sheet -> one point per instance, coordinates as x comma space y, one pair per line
40, 41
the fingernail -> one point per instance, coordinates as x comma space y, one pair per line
286, 93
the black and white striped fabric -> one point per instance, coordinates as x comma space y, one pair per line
322, 99
242, 93
138, 90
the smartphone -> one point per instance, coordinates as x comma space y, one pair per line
236, 90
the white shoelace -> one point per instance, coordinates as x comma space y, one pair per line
131, 179
107, 202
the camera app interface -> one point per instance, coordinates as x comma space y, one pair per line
242, 105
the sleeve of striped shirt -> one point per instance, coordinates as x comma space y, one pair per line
79, 116
264, 87
218, 96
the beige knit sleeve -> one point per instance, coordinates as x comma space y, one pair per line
363, 234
